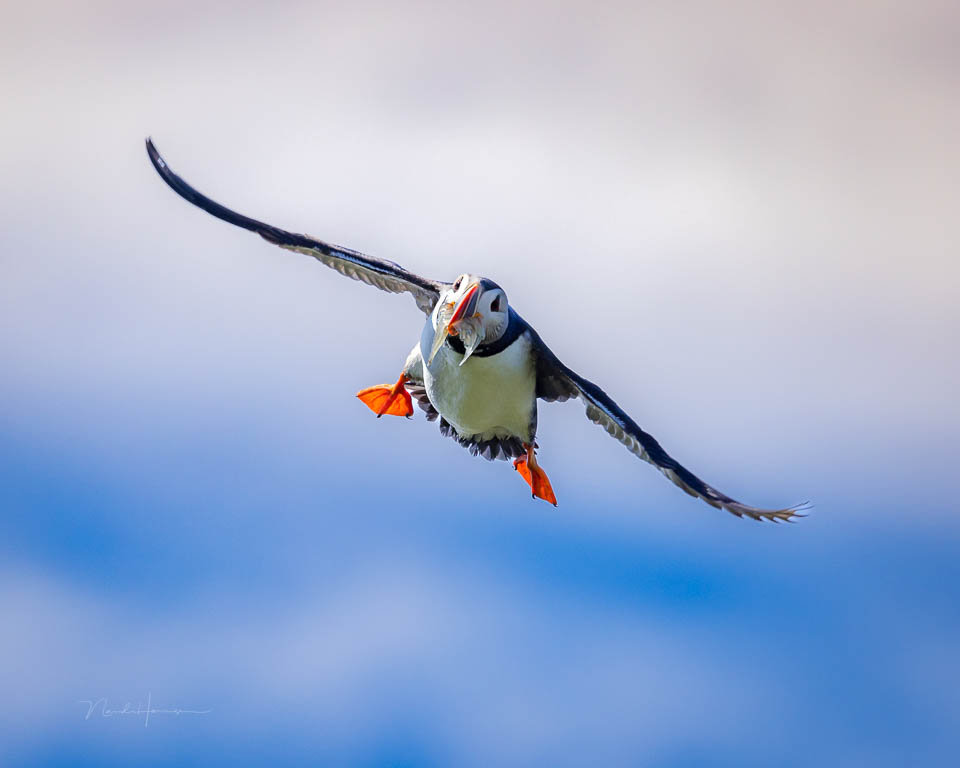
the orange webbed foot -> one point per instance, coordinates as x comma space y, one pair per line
384, 399
536, 478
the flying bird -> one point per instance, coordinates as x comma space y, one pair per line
478, 367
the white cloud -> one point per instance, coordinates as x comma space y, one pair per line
502, 675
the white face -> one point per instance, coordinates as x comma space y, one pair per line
473, 308
490, 305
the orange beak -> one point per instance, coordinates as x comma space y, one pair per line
466, 308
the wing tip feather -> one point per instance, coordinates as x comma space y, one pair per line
786, 515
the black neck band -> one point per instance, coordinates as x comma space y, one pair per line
514, 329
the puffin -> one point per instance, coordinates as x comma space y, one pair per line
478, 368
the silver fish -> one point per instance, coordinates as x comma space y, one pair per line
443, 328
471, 333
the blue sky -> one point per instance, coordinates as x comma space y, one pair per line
740, 226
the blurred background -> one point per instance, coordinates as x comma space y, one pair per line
739, 218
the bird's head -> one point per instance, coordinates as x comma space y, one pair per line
473, 308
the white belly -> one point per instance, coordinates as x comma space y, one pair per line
486, 396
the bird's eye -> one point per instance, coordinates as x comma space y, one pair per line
456, 285
495, 306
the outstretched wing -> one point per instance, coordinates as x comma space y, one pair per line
557, 382
380, 273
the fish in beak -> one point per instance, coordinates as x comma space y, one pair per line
460, 318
